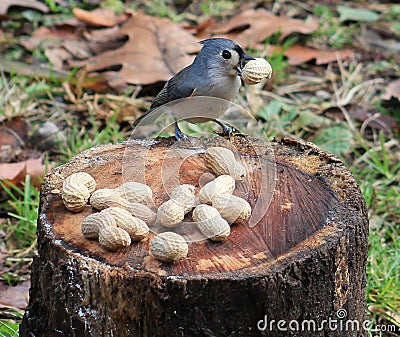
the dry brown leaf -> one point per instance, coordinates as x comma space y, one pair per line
370, 118
297, 54
14, 297
78, 48
13, 139
156, 49
13, 131
100, 17
6, 4
15, 173
100, 40
56, 36
57, 57
254, 26
61, 44
15, 153
202, 27
392, 90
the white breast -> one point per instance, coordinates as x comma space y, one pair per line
226, 88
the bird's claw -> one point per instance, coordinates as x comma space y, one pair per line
228, 131
179, 135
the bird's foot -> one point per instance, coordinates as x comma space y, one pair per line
227, 131
179, 135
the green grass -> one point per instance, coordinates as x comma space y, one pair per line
383, 272
83, 137
8, 329
377, 170
24, 203
331, 31
216, 8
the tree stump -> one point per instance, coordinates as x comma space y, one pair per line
296, 269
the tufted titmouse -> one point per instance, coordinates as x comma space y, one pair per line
215, 72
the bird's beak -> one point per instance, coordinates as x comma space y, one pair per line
244, 58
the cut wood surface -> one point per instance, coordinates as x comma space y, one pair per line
301, 256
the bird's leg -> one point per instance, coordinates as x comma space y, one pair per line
227, 130
178, 133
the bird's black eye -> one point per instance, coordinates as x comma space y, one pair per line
226, 54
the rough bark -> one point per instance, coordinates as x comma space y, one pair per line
303, 262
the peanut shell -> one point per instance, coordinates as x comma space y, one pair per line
92, 223
232, 208
255, 71
184, 195
221, 160
142, 212
79, 178
169, 247
135, 227
170, 213
136, 192
224, 184
74, 197
106, 197
210, 223
114, 238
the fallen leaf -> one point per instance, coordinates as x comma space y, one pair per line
13, 139
97, 82
100, 40
12, 171
60, 43
15, 173
34, 4
100, 17
78, 48
203, 26
14, 296
57, 57
155, 50
37, 169
55, 36
13, 131
392, 90
17, 155
297, 54
254, 26
368, 117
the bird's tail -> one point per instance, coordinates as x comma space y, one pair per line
146, 118
139, 119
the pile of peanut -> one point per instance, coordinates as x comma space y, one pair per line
124, 215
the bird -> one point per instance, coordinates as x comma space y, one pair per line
216, 71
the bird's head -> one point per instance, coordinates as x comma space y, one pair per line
223, 56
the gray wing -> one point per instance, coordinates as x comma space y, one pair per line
177, 87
